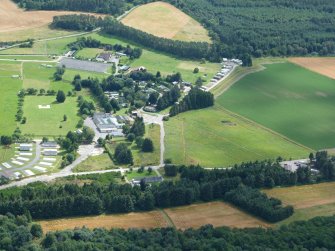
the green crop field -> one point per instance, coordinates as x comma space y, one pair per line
47, 122
9, 88
287, 99
214, 138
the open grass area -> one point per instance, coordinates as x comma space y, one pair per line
164, 20
6, 153
89, 52
25, 57
93, 163
9, 88
153, 219
308, 201
166, 64
287, 99
136, 175
49, 122
214, 213
214, 137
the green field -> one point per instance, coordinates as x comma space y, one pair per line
6, 153
214, 138
9, 87
47, 122
89, 52
166, 64
93, 163
288, 99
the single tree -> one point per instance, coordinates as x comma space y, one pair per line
60, 98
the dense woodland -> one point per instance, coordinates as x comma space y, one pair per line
18, 233
272, 28
195, 99
266, 27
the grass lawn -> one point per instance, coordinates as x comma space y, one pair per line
164, 20
287, 99
308, 201
25, 57
93, 163
166, 64
47, 122
6, 153
9, 88
136, 175
213, 137
89, 52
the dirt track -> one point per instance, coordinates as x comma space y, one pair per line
324, 66
13, 18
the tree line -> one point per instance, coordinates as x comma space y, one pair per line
195, 99
76, 22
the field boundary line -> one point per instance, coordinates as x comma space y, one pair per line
167, 218
263, 127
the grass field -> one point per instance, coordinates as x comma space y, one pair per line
164, 20
308, 201
9, 88
287, 99
47, 122
93, 163
324, 66
89, 52
6, 153
214, 138
166, 64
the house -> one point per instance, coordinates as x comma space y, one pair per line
149, 109
112, 95
26, 147
50, 152
50, 144
138, 69
105, 57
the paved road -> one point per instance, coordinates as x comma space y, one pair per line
157, 119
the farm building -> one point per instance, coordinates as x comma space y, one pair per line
50, 152
107, 123
26, 147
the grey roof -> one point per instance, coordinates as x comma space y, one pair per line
84, 65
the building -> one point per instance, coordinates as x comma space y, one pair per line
147, 180
120, 54
50, 152
149, 109
50, 144
105, 57
107, 123
124, 68
26, 147
112, 95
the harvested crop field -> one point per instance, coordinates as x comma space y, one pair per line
193, 216
308, 201
214, 213
146, 220
14, 19
324, 66
165, 20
